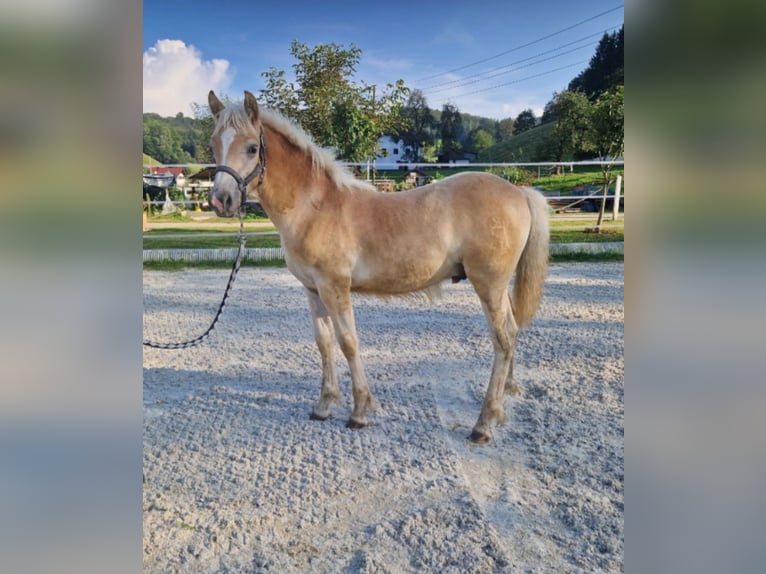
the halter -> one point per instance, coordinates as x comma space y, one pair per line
259, 171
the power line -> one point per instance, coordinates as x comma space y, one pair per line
521, 46
471, 82
514, 81
464, 78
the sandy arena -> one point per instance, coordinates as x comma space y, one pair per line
238, 479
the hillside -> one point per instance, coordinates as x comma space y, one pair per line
149, 160
519, 148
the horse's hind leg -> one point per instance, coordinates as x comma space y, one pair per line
510, 387
503, 329
323, 332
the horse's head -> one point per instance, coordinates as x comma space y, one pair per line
238, 148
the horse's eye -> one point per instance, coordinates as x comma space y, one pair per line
251, 149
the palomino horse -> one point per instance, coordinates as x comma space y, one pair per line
341, 235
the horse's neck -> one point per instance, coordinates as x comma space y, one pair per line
291, 183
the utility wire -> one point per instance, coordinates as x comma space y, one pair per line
464, 78
451, 98
469, 83
521, 46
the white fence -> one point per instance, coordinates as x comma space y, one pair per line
275, 254
555, 199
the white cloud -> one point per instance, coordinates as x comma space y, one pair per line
175, 75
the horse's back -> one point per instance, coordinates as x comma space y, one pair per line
484, 207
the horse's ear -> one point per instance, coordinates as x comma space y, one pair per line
251, 106
215, 104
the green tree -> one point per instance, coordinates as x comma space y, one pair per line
606, 68
526, 120
323, 96
430, 152
570, 136
504, 129
205, 125
608, 135
418, 120
280, 95
481, 139
322, 78
451, 128
354, 134
383, 109
163, 143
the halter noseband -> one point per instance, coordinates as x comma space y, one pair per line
258, 172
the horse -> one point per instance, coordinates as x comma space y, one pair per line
341, 235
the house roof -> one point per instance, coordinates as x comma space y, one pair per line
207, 173
166, 169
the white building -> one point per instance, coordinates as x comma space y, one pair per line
393, 152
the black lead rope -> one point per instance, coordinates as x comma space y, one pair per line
234, 270
242, 183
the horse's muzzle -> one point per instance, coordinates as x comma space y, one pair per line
225, 208
217, 205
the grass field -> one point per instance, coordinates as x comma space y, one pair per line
206, 239
179, 238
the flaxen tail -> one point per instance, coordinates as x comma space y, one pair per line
533, 265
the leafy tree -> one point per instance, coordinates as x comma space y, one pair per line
481, 139
570, 136
608, 134
354, 133
451, 126
321, 79
526, 120
323, 95
205, 125
382, 110
430, 152
418, 120
280, 95
504, 129
549, 112
163, 143
606, 68
472, 123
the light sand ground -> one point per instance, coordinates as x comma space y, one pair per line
238, 479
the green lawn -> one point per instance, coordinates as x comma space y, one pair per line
577, 236
155, 240
582, 175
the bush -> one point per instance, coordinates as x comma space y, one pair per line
515, 175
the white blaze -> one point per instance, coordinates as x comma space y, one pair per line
227, 136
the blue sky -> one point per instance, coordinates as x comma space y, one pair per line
490, 58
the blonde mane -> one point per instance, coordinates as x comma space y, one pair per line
234, 115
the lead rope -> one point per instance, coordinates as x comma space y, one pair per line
234, 270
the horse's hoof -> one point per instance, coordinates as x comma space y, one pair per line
477, 437
513, 390
315, 417
352, 424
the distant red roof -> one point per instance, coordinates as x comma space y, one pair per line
166, 169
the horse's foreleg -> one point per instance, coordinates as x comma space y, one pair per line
503, 329
338, 302
323, 333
